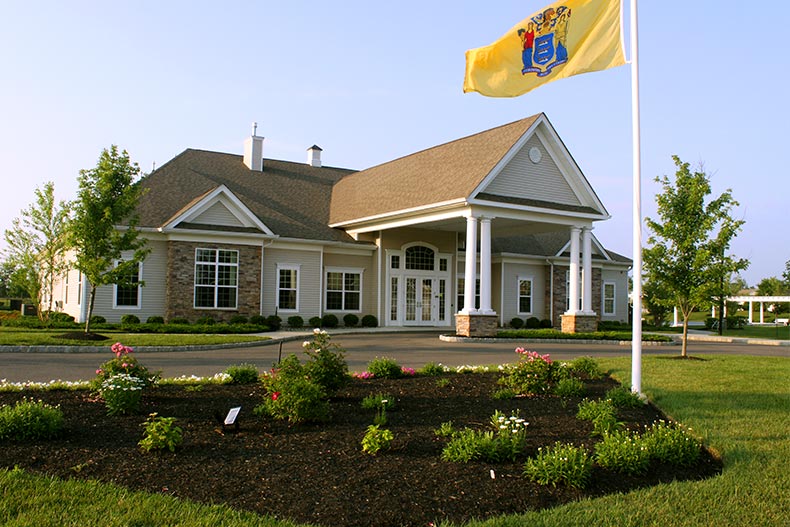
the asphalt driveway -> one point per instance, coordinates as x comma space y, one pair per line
412, 349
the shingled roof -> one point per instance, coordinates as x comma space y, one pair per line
443, 173
292, 199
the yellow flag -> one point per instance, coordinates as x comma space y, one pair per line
564, 39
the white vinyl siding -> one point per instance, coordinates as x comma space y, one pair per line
309, 265
218, 214
512, 272
521, 178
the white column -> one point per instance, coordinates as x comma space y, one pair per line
762, 313
485, 267
751, 312
587, 271
573, 274
470, 266
675, 321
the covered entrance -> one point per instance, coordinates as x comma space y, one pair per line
418, 286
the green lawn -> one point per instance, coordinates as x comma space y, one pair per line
10, 336
738, 405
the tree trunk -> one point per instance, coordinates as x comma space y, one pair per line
90, 310
683, 348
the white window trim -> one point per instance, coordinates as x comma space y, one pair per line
139, 290
288, 267
531, 281
216, 286
613, 312
345, 270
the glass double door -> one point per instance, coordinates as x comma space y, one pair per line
425, 303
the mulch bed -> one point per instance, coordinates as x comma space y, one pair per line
317, 473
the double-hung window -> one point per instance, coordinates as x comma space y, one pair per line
343, 290
127, 294
608, 298
288, 287
525, 296
216, 278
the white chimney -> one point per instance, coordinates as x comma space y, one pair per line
314, 156
253, 150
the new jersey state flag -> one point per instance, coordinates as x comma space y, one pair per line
564, 39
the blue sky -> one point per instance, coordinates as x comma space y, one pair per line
371, 81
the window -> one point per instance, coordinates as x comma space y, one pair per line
394, 298
460, 297
288, 288
216, 278
525, 296
343, 290
395, 261
128, 293
608, 298
419, 258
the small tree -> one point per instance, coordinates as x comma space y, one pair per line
105, 221
688, 244
37, 244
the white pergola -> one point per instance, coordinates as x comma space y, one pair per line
762, 300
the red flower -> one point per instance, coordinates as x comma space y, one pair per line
275, 395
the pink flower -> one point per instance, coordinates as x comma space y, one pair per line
124, 365
275, 396
99, 371
407, 371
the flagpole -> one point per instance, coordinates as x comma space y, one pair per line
636, 338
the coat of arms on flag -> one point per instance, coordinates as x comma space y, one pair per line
544, 42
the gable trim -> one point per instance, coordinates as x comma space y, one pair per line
223, 195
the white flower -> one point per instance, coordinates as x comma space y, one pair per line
306, 343
317, 331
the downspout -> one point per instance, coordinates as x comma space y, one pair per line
380, 295
321, 284
551, 290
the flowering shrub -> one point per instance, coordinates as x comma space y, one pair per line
385, 368
242, 373
434, 369
504, 443
586, 367
602, 413
124, 362
122, 393
622, 397
326, 363
30, 420
533, 374
671, 443
292, 395
560, 463
624, 452
376, 439
407, 372
569, 387
160, 433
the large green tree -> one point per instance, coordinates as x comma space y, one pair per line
104, 230
37, 245
689, 242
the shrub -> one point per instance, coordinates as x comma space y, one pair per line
129, 319
291, 396
432, 369
329, 321
206, 320
446, 429
369, 321
380, 403
122, 393
160, 433
560, 463
385, 368
516, 323
350, 320
274, 322
602, 415
504, 443
156, 319
670, 443
376, 439
569, 388
242, 373
622, 397
532, 323
533, 374
258, 320
58, 317
623, 452
295, 321
30, 420
238, 319
545, 323
586, 367
178, 320
124, 362
98, 319
315, 322
326, 364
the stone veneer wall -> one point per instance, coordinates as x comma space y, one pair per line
181, 281
560, 292
476, 325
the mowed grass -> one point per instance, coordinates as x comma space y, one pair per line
740, 406
10, 336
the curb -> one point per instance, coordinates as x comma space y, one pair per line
455, 338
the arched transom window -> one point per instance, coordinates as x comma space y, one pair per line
419, 258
